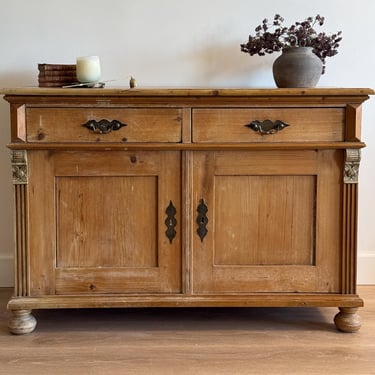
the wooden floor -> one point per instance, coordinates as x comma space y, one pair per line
189, 341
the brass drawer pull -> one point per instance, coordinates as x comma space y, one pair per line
267, 126
103, 126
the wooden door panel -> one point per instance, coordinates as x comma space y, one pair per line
124, 237
269, 229
264, 220
105, 216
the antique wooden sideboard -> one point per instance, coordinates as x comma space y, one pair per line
185, 197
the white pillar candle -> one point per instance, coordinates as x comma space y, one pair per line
88, 69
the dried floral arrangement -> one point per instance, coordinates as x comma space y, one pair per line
274, 36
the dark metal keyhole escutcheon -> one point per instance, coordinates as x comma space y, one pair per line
170, 222
202, 219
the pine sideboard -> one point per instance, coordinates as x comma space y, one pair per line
185, 197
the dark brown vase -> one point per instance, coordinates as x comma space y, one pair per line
297, 67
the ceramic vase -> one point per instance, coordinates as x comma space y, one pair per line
297, 67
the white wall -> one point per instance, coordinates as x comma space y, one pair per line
179, 43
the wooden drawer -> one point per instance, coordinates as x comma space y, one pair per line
305, 124
67, 124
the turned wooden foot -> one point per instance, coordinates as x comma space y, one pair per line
22, 322
347, 320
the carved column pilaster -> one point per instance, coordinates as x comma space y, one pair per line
350, 217
20, 180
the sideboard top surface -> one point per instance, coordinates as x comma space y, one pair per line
186, 92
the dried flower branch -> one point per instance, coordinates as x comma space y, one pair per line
274, 37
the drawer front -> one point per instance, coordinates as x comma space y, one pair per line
233, 124
103, 125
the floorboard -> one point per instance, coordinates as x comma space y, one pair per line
189, 341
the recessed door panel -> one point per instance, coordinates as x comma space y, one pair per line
264, 220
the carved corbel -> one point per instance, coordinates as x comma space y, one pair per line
19, 167
351, 169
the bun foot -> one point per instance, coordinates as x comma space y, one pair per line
22, 322
347, 320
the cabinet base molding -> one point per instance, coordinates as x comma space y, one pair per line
347, 320
178, 300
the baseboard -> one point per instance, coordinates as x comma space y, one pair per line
6, 271
366, 269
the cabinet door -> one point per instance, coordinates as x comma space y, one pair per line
272, 221
105, 217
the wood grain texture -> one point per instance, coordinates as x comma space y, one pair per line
87, 238
256, 212
152, 91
